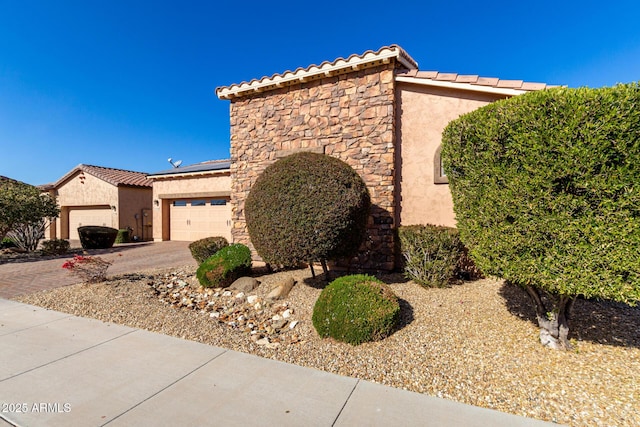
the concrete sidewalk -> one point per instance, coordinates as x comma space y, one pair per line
61, 370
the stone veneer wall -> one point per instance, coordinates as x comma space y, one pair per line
349, 116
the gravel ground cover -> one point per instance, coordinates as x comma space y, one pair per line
474, 343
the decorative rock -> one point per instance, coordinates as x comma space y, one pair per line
263, 341
286, 314
226, 294
252, 299
245, 284
282, 290
293, 324
240, 295
279, 324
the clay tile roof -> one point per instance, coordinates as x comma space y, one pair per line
117, 177
325, 69
464, 81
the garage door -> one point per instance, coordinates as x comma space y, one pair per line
90, 216
193, 219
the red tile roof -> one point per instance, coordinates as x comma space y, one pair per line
473, 80
325, 69
117, 177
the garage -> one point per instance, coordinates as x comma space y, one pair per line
193, 219
93, 215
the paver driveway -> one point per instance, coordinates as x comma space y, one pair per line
27, 276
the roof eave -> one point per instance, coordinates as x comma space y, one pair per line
461, 86
189, 174
327, 69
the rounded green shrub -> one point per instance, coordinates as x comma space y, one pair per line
223, 268
204, 248
434, 255
97, 237
307, 207
123, 236
546, 192
356, 309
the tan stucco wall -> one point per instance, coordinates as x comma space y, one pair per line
84, 190
193, 186
423, 113
135, 201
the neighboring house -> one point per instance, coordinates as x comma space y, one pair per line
96, 195
192, 202
375, 111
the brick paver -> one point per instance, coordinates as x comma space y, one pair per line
28, 276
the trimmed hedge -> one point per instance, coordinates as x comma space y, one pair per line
223, 268
123, 236
356, 309
97, 237
205, 248
434, 255
546, 189
307, 207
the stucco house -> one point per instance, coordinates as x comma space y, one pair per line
96, 195
192, 202
376, 111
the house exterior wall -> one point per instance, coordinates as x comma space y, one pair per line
165, 189
423, 112
83, 189
349, 116
134, 201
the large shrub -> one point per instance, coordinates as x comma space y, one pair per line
204, 248
307, 207
356, 309
434, 255
24, 210
546, 192
223, 268
97, 236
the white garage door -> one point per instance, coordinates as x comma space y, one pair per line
193, 219
94, 216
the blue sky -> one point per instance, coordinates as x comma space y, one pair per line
127, 84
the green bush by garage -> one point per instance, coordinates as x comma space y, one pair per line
223, 268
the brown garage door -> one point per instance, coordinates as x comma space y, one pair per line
88, 216
193, 219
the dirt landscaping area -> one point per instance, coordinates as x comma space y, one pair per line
475, 343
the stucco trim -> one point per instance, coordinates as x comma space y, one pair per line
327, 69
194, 195
460, 86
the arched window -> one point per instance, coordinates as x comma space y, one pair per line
439, 176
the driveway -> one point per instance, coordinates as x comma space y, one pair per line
32, 275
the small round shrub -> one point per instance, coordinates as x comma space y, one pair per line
123, 236
223, 268
433, 255
55, 247
204, 248
356, 309
307, 207
97, 237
